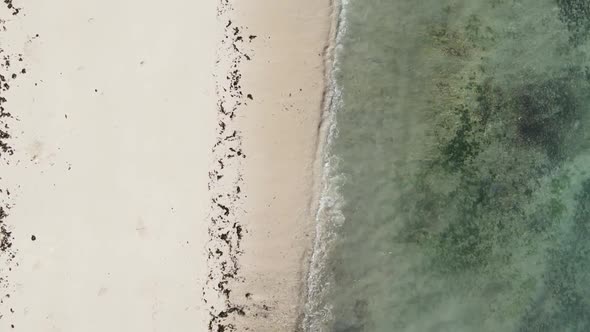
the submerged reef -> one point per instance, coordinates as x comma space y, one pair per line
465, 143
510, 139
576, 16
495, 193
546, 112
563, 302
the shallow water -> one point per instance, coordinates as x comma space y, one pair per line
463, 142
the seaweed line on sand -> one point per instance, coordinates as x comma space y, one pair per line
225, 177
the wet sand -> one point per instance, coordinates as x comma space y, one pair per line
271, 90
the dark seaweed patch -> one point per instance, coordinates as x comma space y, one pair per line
544, 112
462, 146
14, 10
575, 14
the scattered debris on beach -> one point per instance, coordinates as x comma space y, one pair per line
226, 182
11, 70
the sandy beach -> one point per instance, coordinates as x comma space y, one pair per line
273, 65
158, 163
113, 123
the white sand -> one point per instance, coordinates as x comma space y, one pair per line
120, 236
117, 118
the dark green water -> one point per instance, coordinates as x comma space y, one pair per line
464, 144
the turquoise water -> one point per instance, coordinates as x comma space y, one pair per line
462, 158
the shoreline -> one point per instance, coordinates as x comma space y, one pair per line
274, 63
327, 215
326, 199
319, 171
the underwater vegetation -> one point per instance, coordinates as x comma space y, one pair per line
576, 16
563, 302
465, 144
546, 113
501, 162
533, 128
504, 135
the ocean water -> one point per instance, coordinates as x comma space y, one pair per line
458, 171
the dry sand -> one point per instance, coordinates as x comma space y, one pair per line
116, 193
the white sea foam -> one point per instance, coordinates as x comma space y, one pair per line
329, 215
